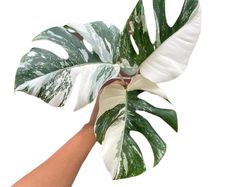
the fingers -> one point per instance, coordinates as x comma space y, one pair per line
94, 113
125, 82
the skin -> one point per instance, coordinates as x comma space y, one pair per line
62, 167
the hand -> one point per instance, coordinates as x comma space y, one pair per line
62, 167
96, 106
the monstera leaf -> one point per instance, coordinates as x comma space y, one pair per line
129, 54
168, 56
51, 78
117, 117
158, 62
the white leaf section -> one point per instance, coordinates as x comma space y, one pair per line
170, 59
87, 82
112, 146
34, 85
112, 95
139, 82
97, 42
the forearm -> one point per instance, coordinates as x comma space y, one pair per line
62, 167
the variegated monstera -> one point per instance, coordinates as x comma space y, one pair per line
51, 78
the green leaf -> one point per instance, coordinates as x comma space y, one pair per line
136, 28
168, 56
103, 38
51, 78
117, 117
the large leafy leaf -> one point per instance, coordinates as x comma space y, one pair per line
103, 37
51, 78
168, 56
135, 28
117, 117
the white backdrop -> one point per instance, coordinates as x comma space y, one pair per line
201, 154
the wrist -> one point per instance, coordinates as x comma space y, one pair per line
88, 127
88, 131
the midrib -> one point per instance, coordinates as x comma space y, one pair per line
125, 118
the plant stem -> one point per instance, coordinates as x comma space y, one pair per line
122, 80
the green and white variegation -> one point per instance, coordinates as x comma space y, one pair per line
115, 54
51, 78
167, 58
162, 61
117, 117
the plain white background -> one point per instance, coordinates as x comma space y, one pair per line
201, 154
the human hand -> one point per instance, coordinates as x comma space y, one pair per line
95, 110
